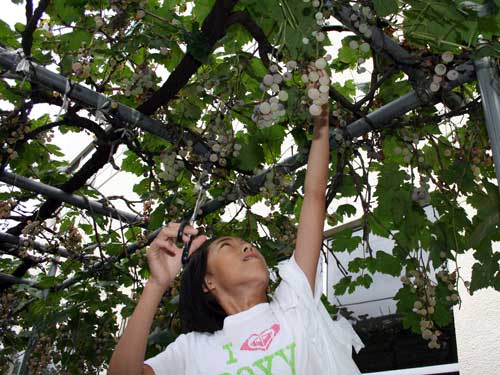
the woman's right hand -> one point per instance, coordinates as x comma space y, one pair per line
164, 257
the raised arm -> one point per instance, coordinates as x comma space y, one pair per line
312, 213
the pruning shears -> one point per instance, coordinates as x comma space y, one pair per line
203, 185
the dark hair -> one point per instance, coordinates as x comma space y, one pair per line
199, 310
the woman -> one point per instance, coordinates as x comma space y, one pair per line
231, 328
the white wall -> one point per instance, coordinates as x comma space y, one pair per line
477, 325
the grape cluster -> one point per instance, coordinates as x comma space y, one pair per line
288, 233
269, 111
409, 151
6, 207
162, 312
338, 135
147, 208
141, 240
275, 182
406, 151
32, 228
72, 240
315, 76
443, 71
230, 192
142, 80
176, 286
46, 137
26, 244
425, 304
220, 140
104, 339
318, 84
17, 134
363, 47
81, 67
31, 231
40, 356
171, 166
421, 194
361, 18
450, 280
479, 158
222, 143
420, 284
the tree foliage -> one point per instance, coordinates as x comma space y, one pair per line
216, 55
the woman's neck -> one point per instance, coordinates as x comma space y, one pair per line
236, 303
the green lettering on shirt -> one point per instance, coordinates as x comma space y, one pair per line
248, 371
266, 363
290, 361
232, 359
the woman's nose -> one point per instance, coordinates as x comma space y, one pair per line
247, 248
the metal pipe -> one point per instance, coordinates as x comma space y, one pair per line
382, 116
9, 59
60, 195
379, 41
489, 83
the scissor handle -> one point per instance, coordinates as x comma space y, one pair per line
180, 231
185, 249
185, 252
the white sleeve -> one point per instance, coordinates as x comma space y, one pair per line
172, 361
295, 291
294, 288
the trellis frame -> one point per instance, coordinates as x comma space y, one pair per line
489, 83
373, 121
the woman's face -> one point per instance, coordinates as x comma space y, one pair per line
233, 262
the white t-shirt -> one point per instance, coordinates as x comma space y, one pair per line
291, 335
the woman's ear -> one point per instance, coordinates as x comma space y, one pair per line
208, 284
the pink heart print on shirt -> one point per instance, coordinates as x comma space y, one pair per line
261, 341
